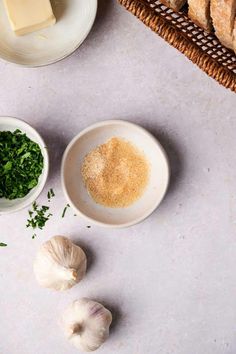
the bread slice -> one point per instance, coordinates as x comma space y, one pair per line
176, 5
199, 12
223, 16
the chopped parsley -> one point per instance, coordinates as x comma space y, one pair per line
65, 209
51, 194
38, 216
3, 244
21, 164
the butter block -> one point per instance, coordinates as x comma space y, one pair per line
28, 16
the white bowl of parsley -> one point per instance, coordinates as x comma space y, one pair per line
24, 165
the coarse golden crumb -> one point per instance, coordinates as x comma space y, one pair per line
115, 173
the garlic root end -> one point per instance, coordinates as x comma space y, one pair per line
75, 329
74, 274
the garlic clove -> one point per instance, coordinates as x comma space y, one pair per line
86, 324
59, 264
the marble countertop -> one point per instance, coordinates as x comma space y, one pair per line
170, 281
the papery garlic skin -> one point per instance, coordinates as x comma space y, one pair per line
86, 324
59, 264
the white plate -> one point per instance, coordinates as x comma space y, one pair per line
11, 124
75, 19
77, 194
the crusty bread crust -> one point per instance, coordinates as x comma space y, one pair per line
199, 12
176, 5
223, 16
234, 36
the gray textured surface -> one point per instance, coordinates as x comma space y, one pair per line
170, 281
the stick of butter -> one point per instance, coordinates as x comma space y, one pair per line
27, 16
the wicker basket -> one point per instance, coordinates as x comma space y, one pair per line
177, 29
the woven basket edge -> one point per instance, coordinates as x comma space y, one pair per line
175, 38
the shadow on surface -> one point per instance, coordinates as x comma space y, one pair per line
91, 259
103, 13
173, 152
104, 7
56, 146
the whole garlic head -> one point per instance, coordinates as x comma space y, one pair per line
86, 324
59, 264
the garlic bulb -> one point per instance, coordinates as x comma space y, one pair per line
86, 324
59, 264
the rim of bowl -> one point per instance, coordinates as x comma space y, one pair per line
101, 124
67, 55
39, 188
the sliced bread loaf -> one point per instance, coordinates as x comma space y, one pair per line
199, 12
176, 5
223, 16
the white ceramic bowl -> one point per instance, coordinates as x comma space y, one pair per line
10, 206
76, 192
75, 19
